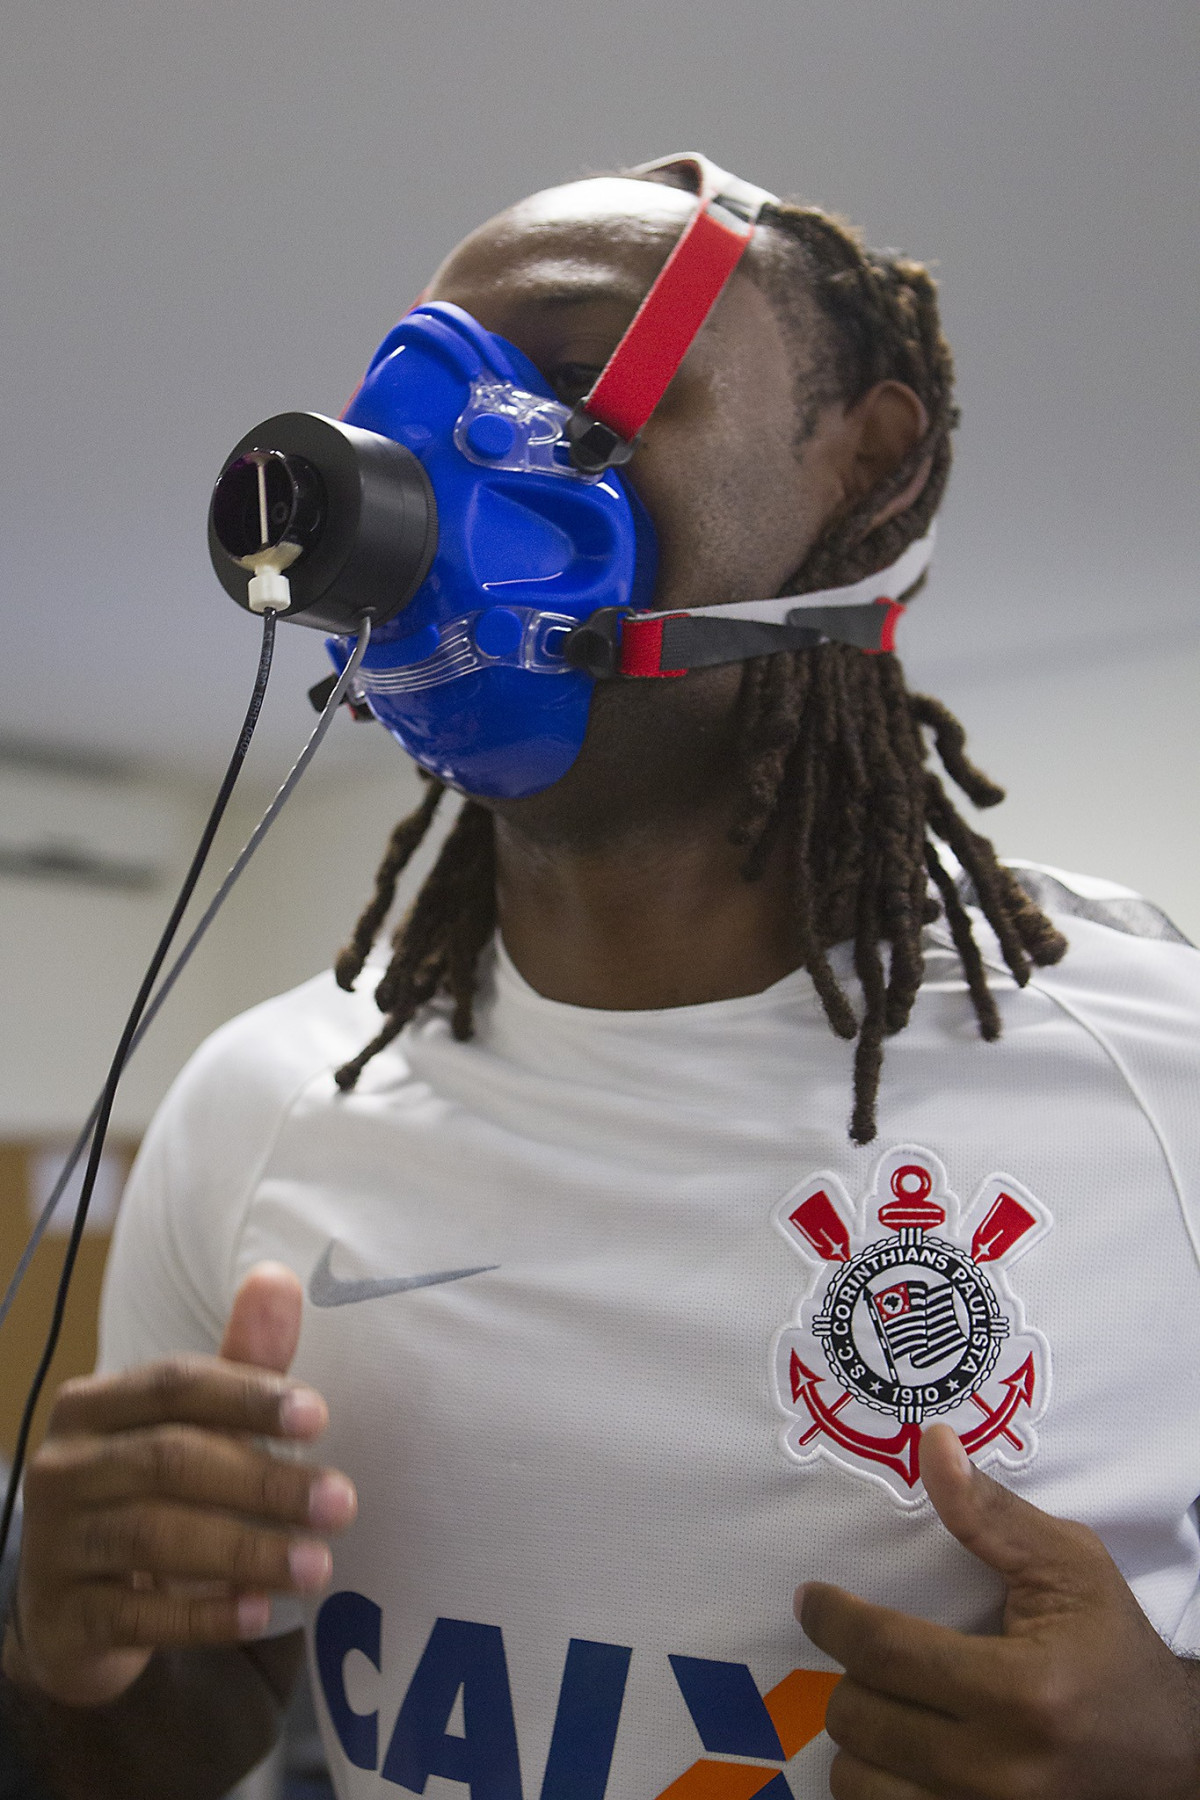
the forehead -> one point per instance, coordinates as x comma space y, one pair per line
605, 198
607, 236
580, 258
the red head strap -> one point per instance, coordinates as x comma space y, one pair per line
604, 425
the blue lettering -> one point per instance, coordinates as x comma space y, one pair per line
727, 1708
464, 1658
348, 1621
585, 1724
467, 1658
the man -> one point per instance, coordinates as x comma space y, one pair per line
618, 1333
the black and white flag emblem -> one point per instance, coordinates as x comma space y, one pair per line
918, 1321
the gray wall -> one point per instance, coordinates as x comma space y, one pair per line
213, 211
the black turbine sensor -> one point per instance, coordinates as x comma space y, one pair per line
348, 515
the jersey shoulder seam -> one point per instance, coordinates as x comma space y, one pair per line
1101, 1040
258, 1169
1129, 913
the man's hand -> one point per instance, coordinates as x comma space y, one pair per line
1079, 1699
152, 1517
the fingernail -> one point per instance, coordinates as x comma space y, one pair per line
798, 1598
332, 1501
302, 1412
253, 1615
310, 1564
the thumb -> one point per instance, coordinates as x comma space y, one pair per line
264, 1324
1045, 1561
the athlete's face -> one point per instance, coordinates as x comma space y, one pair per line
734, 506
735, 501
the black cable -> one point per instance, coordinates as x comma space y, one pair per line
120, 1057
333, 700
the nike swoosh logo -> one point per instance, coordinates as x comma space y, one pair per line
325, 1289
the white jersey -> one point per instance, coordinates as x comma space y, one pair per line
622, 1338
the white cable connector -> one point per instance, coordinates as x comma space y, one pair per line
268, 589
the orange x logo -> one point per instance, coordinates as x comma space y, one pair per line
796, 1710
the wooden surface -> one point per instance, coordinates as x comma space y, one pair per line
24, 1331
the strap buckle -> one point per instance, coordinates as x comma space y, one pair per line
595, 446
318, 699
595, 646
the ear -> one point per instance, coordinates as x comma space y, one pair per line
882, 428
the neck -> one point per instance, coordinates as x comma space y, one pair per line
663, 917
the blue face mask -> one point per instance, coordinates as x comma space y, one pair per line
505, 563
471, 676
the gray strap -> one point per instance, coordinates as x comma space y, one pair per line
695, 642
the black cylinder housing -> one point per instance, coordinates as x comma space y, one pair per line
371, 532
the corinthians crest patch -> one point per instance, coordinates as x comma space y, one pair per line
910, 1318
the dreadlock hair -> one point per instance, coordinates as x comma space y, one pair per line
834, 772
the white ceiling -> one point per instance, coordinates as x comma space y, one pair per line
212, 211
